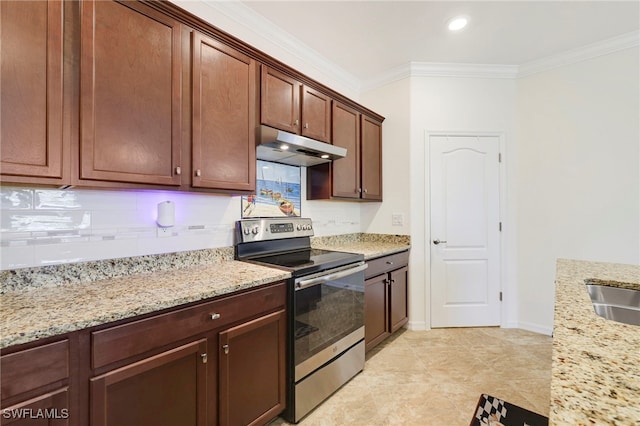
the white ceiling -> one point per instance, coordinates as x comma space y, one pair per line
368, 38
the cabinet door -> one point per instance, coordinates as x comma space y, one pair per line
346, 134
224, 102
371, 159
316, 115
53, 407
376, 308
166, 389
130, 94
398, 312
280, 101
31, 90
252, 371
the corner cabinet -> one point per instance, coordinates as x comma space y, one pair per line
130, 92
289, 105
358, 176
385, 297
223, 117
31, 78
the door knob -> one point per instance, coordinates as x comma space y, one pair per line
436, 242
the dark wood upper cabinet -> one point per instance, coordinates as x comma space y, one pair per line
316, 115
280, 101
224, 101
288, 105
371, 159
346, 134
358, 176
130, 94
31, 78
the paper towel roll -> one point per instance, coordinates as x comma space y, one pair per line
166, 214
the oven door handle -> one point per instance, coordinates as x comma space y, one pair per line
326, 278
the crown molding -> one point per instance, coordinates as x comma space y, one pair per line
590, 51
277, 37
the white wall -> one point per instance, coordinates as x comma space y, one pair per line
577, 173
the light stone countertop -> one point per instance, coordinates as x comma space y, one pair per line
595, 376
29, 314
42, 302
370, 245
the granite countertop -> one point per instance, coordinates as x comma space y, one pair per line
596, 362
34, 313
370, 245
43, 302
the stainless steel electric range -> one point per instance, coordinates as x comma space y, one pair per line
325, 307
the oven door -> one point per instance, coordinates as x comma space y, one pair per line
328, 316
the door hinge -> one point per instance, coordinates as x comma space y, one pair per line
501, 296
204, 358
499, 157
500, 226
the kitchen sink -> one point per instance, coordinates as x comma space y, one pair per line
616, 304
618, 313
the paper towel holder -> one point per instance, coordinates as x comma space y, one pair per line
166, 214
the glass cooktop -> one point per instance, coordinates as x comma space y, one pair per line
309, 261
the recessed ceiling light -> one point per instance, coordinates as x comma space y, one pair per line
284, 147
457, 23
324, 156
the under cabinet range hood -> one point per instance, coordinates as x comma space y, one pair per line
287, 148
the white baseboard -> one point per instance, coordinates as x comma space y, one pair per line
417, 325
536, 328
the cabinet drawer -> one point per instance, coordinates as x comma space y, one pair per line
134, 338
32, 368
386, 264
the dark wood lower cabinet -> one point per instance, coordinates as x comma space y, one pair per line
165, 389
252, 371
385, 297
50, 409
376, 303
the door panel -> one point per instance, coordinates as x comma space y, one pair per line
280, 101
371, 159
316, 115
465, 264
224, 96
31, 89
346, 134
130, 94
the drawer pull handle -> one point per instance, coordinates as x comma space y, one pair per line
215, 316
389, 262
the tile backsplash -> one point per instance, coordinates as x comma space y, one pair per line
42, 226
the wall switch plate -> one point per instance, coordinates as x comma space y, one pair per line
163, 232
397, 219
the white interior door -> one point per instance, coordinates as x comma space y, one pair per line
465, 235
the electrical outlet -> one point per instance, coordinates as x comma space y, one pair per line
163, 232
397, 219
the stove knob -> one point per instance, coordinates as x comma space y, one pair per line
299, 227
254, 230
246, 231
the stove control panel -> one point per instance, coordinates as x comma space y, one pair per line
263, 229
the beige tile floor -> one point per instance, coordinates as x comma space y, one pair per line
435, 377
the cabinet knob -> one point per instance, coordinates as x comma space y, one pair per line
295, 123
306, 125
215, 316
365, 190
198, 173
204, 358
359, 190
226, 349
178, 170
